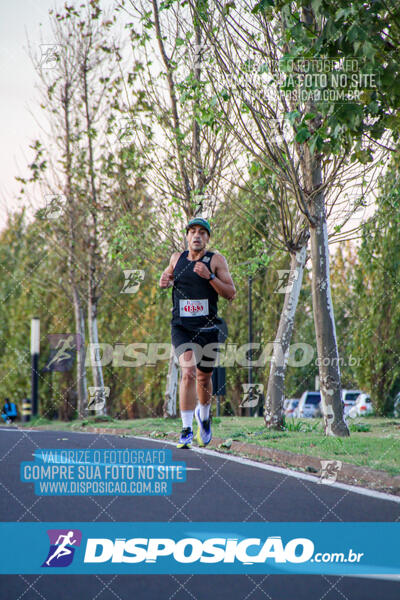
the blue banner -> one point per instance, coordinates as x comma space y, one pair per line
213, 548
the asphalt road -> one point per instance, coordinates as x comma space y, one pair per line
216, 490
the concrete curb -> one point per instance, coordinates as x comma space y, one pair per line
349, 473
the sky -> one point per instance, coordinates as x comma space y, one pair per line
20, 21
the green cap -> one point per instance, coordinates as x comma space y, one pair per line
199, 221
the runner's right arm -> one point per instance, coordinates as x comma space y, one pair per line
167, 277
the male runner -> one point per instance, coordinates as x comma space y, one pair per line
198, 277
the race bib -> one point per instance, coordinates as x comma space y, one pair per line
193, 308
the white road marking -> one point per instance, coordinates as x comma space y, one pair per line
103, 464
251, 463
245, 461
288, 472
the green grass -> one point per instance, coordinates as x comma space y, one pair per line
374, 441
359, 427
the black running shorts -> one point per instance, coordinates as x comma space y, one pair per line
203, 342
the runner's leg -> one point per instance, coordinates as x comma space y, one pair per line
209, 342
187, 397
202, 412
187, 386
204, 392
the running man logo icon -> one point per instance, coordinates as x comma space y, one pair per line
281, 131
63, 543
252, 394
63, 348
286, 280
199, 51
98, 397
329, 470
62, 351
49, 55
133, 279
54, 206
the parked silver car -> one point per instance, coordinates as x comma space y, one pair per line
309, 405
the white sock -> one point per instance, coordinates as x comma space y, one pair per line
187, 418
204, 411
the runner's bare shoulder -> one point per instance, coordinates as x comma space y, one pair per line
174, 259
217, 259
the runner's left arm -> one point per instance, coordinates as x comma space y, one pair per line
223, 283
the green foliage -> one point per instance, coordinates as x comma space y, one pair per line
360, 427
375, 297
307, 426
133, 235
27, 268
345, 62
262, 6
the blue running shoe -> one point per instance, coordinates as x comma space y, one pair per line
204, 433
186, 439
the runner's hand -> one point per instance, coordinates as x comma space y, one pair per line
166, 280
201, 269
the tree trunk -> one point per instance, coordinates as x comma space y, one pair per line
274, 416
76, 297
80, 354
170, 405
171, 391
97, 370
94, 260
324, 320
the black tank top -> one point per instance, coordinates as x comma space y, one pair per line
194, 299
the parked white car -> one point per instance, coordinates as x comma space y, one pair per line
309, 405
291, 406
363, 406
349, 398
